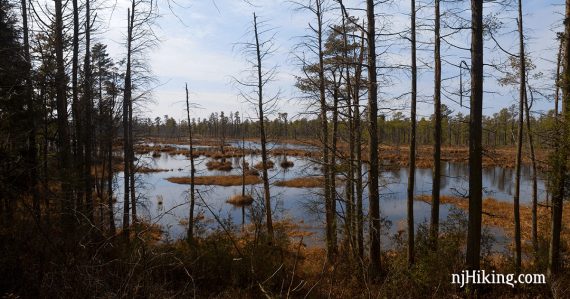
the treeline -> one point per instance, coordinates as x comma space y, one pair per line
499, 129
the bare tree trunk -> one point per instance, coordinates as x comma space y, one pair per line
560, 167
126, 134
192, 171
88, 107
262, 135
412, 174
436, 177
475, 133
332, 169
522, 91
534, 232
373, 193
350, 207
358, 151
329, 214
62, 122
31, 150
557, 82
76, 105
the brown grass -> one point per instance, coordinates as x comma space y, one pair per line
259, 166
219, 165
500, 214
240, 200
217, 180
304, 182
140, 169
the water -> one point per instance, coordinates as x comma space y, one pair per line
302, 205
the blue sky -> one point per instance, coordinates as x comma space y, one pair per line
198, 39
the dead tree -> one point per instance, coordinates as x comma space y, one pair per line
190, 236
412, 174
373, 174
436, 177
475, 136
253, 90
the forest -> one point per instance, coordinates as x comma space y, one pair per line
397, 147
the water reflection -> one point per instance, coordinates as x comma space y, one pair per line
165, 203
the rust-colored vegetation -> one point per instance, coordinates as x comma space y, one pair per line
217, 180
240, 200
219, 165
259, 166
303, 182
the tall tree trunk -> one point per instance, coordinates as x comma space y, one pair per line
436, 177
373, 192
332, 169
358, 153
110, 138
329, 214
192, 171
350, 207
76, 105
262, 135
31, 150
126, 134
557, 82
560, 167
412, 174
475, 133
534, 232
522, 91
88, 107
62, 122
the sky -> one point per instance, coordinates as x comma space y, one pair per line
199, 45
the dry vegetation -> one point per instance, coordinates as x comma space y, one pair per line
240, 200
259, 166
219, 165
500, 214
217, 180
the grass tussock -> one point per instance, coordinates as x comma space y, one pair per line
219, 165
303, 182
287, 164
240, 200
217, 180
259, 166
500, 214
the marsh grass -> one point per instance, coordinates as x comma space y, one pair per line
217, 180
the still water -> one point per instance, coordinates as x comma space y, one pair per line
166, 203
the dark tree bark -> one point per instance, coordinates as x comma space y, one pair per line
560, 165
557, 82
373, 193
358, 154
190, 236
475, 135
412, 174
434, 224
522, 91
534, 233
31, 150
62, 121
88, 108
262, 135
126, 133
